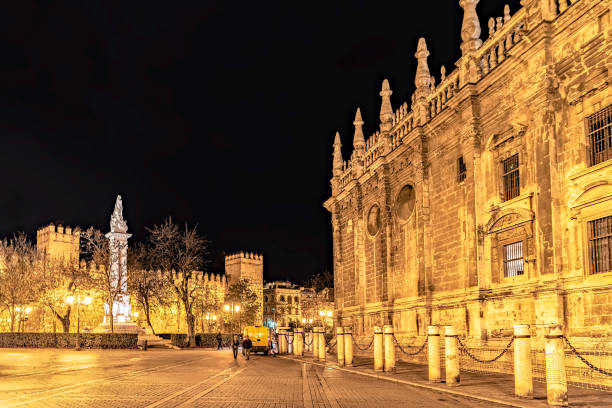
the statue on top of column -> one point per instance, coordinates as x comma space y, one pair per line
117, 223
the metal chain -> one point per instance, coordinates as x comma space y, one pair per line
473, 357
359, 347
421, 348
331, 346
292, 339
311, 339
584, 360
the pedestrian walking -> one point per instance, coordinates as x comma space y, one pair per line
235, 345
219, 340
274, 345
247, 344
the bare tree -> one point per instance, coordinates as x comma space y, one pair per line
147, 287
179, 253
110, 282
19, 272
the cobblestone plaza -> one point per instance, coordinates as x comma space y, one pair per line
193, 378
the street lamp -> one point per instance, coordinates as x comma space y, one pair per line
23, 316
86, 300
234, 308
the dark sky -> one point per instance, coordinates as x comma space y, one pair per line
216, 113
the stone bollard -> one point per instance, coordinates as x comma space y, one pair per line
308, 340
315, 343
298, 340
433, 353
556, 381
290, 340
282, 341
340, 345
389, 363
452, 356
523, 375
378, 348
322, 345
348, 346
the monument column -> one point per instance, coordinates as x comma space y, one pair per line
121, 309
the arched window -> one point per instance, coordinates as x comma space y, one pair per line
296, 299
282, 298
265, 299
289, 299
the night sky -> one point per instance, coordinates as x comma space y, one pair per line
220, 114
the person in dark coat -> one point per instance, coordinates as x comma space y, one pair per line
219, 340
247, 345
235, 345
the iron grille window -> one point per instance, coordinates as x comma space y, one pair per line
600, 244
511, 177
461, 170
600, 136
513, 259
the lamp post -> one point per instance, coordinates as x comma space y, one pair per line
86, 300
235, 307
23, 316
208, 319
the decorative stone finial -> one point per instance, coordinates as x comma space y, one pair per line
386, 110
507, 13
117, 223
337, 164
491, 27
442, 73
422, 79
470, 27
500, 23
358, 139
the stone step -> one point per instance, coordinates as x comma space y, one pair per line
156, 341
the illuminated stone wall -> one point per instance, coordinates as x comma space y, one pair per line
417, 243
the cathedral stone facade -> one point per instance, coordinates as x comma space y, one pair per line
486, 200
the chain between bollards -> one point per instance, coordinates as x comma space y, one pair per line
584, 360
473, 357
421, 348
359, 347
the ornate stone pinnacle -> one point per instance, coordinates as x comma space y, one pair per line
338, 162
442, 73
507, 13
470, 27
386, 110
117, 223
358, 139
423, 78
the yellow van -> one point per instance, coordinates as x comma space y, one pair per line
259, 336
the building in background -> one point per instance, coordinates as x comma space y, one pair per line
485, 199
287, 304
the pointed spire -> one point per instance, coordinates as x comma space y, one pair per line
423, 78
386, 110
358, 139
470, 27
338, 162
